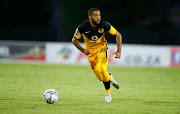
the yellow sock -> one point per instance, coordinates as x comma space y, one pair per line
108, 91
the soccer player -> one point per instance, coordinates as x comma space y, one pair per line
96, 50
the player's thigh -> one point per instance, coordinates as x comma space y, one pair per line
100, 57
102, 53
94, 62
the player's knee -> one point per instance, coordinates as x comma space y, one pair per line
106, 79
105, 75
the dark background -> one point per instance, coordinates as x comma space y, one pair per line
139, 21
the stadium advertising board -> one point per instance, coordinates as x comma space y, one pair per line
175, 56
141, 55
64, 53
132, 55
26, 51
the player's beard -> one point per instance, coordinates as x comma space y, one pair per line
94, 22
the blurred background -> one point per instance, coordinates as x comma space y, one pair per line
41, 30
139, 21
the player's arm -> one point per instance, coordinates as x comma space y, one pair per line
119, 44
78, 45
118, 36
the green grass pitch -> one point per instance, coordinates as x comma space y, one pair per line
142, 90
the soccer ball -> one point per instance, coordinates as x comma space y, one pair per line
50, 96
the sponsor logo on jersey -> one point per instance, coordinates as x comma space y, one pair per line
100, 30
94, 38
87, 32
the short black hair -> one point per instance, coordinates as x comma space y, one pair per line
91, 10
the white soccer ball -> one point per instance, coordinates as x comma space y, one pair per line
50, 96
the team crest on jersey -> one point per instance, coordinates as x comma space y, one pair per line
94, 38
77, 32
100, 30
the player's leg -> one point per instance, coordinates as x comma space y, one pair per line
99, 68
94, 62
100, 71
114, 82
103, 60
99, 64
97, 71
106, 78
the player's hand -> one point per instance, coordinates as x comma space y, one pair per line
118, 55
87, 52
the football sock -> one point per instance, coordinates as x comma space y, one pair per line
108, 91
107, 86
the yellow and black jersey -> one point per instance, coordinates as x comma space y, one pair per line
93, 37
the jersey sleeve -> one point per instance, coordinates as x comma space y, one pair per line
77, 34
112, 30
79, 31
109, 28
